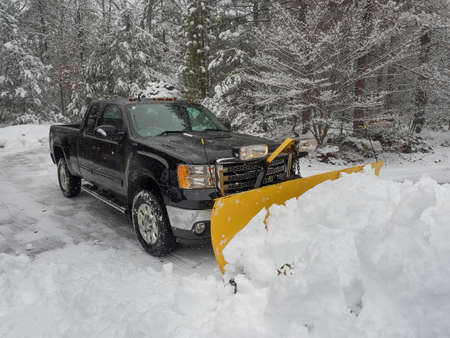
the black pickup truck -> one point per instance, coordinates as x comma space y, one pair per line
163, 162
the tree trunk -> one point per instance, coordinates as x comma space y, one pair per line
361, 64
78, 24
360, 86
108, 24
306, 120
61, 97
255, 12
148, 14
294, 125
163, 18
421, 94
43, 46
103, 14
389, 83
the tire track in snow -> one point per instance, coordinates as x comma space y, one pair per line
35, 217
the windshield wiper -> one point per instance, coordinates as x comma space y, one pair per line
171, 132
211, 129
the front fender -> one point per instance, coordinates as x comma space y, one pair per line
143, 166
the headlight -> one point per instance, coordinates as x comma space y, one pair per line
253, 152
196, 176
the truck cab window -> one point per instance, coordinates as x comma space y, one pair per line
111, 116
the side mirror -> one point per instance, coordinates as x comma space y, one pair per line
105, 130
109, 131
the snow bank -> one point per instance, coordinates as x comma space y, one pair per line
357, 257
22, 136
88, 291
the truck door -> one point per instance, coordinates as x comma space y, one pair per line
110, 159
86, 142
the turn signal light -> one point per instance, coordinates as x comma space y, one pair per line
183, 177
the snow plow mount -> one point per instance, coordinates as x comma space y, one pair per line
235, 175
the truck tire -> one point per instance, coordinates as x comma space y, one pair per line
70, 185
151, 223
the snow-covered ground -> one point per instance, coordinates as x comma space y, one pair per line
17, 138
369, 260
401, 167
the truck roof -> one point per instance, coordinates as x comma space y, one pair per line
125, 101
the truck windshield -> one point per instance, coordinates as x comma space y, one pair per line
157, 119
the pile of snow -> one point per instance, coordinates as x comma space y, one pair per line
363, 145
89, 291
160, 90
357, 257
22, 136
328, 149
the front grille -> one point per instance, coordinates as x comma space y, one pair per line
240, 176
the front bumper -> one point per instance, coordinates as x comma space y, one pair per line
182, 222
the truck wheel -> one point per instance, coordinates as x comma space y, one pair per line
70, 185
151, 224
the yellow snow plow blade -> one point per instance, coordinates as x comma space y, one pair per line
232, 213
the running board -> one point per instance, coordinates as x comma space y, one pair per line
87, 188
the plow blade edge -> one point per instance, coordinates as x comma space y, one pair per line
232, 213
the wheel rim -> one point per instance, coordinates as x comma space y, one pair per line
147, 223
63, 178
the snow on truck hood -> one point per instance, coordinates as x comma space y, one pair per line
356, 257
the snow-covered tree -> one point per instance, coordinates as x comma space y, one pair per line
268, 67
125, 61
234, 46
23, 77
327, 63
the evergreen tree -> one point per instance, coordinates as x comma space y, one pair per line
127, 60
287, 66
23, 77
235, 24
320, 64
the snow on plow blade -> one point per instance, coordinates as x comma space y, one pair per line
232, 213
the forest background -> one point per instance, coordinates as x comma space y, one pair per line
376, 70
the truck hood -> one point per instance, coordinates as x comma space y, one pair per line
188, 146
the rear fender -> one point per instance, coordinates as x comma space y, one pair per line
61, 151
61, 147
